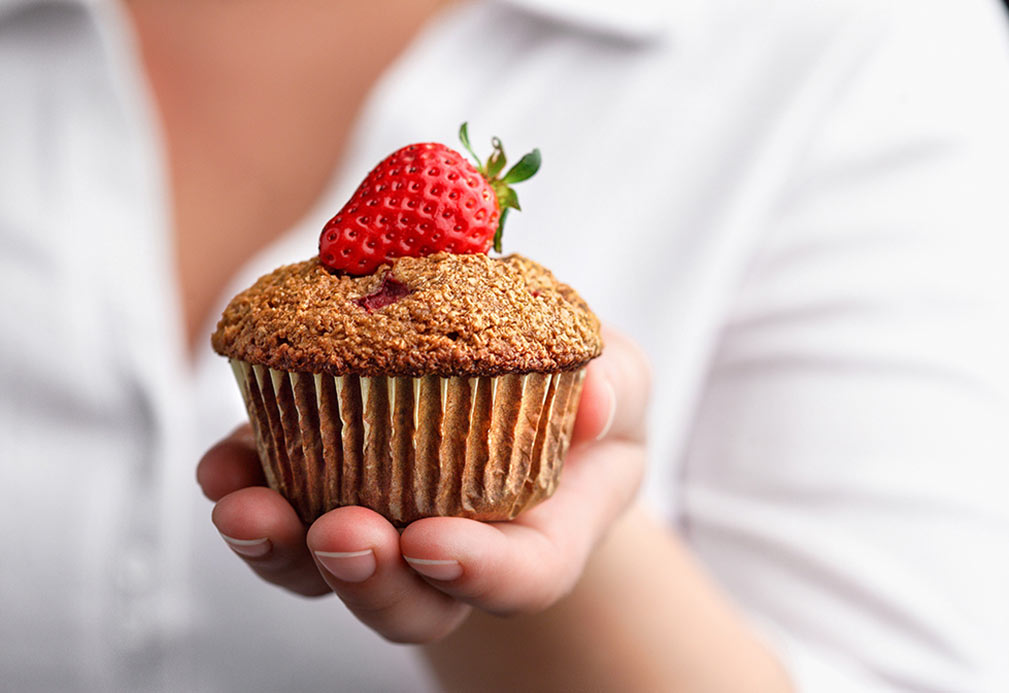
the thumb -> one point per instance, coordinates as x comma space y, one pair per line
615, 392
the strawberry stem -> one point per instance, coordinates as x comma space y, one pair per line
526, 168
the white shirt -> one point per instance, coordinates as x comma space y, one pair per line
800, 209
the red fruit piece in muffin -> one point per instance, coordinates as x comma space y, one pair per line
423, 199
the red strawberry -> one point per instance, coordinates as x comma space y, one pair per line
423, 199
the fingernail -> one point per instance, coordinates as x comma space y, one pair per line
436, 570
612, 394
250, 548
348, 566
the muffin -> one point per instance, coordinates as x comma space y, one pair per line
443, 384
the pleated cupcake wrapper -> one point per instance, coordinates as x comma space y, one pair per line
485, 448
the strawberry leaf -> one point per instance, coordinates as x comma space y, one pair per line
526, 168
464, 138
508, 198
496, 162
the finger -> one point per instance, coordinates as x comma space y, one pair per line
230, 465
263, 529
358, 553
615, 392
526, 565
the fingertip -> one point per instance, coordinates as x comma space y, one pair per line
615, 392
358, 554
432, 548
597, 406
353, 529
259, 547
261, 527
251, 514
502, 568
450, 548
627, 363
435, 537
228, 466
243, 433
355, 548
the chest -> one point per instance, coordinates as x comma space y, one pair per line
256, 102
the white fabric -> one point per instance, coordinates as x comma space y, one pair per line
800, 209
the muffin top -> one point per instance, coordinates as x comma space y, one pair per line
444, 314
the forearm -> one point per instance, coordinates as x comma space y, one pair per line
643, 617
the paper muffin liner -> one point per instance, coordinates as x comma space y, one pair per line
485, 448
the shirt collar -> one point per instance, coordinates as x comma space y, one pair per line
630, 20
634, 20
11, 7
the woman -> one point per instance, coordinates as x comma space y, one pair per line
798, 212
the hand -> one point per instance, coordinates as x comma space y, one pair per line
420, 585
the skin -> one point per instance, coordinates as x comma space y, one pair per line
224, 73
586, 590
585, 572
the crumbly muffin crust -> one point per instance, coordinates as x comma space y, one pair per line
449, 315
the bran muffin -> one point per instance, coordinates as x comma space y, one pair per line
437, 385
